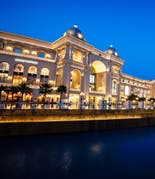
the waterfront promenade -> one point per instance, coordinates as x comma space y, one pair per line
30, 122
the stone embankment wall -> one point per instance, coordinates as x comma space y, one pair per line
30, 122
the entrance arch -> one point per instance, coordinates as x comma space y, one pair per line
97, 77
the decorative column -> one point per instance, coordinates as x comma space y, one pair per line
66, 68
108, 90
86, 77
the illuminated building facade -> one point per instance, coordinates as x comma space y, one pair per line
90, 75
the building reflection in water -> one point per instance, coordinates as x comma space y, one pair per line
66, 161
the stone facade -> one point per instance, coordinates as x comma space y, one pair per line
91, 76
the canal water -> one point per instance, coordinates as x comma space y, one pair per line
127, 153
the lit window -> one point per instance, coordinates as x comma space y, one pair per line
114, 87
127, 90
32, 75
92, 82
77, 56
44, 75
47, 56
3, 77
32, 70
19, 68
45, 71
26, 51
9, 48
4, 66
92, 79
17, 79
4, 69
34, 53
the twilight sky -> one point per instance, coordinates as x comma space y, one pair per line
128, 25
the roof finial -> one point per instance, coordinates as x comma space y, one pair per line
111, 45
75, 26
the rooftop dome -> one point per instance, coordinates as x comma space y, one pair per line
74, 31
112, 51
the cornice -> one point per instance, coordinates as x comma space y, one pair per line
123, 75
24, 39
68, 39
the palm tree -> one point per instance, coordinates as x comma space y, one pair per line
61, 89
24, 89
2, 88
152, 100
45, 89
13, 90
131, 98
142, 99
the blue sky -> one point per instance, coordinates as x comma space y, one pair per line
129, 26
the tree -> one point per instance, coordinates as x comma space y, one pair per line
2, 88
61, 89
13, 90
45, 89
132, 98
24, 89
142, 99
152, 100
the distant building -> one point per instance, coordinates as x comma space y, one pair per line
90, 75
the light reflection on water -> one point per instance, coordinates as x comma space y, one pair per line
112, 154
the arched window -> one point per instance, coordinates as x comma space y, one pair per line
18, 74
4, 66
32, 70
97, 79
32, 75
44, 75
75, 79
77, 56
45, 71
19, 68
4, 69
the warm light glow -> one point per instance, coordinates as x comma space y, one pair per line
9, 48
127, 91
77, 56
34, 53
9, 77
99, 67
45, 71
32, 70
47, 55
24, 79
26, 51
75, 79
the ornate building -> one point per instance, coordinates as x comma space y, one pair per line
90, 75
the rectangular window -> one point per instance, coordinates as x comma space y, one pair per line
3, 77
92, 79
17, 80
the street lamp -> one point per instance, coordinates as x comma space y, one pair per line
109, 102
81, 100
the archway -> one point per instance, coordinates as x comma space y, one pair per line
97, 77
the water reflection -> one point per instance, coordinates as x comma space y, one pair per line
97, 148
117, 154
66, 161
